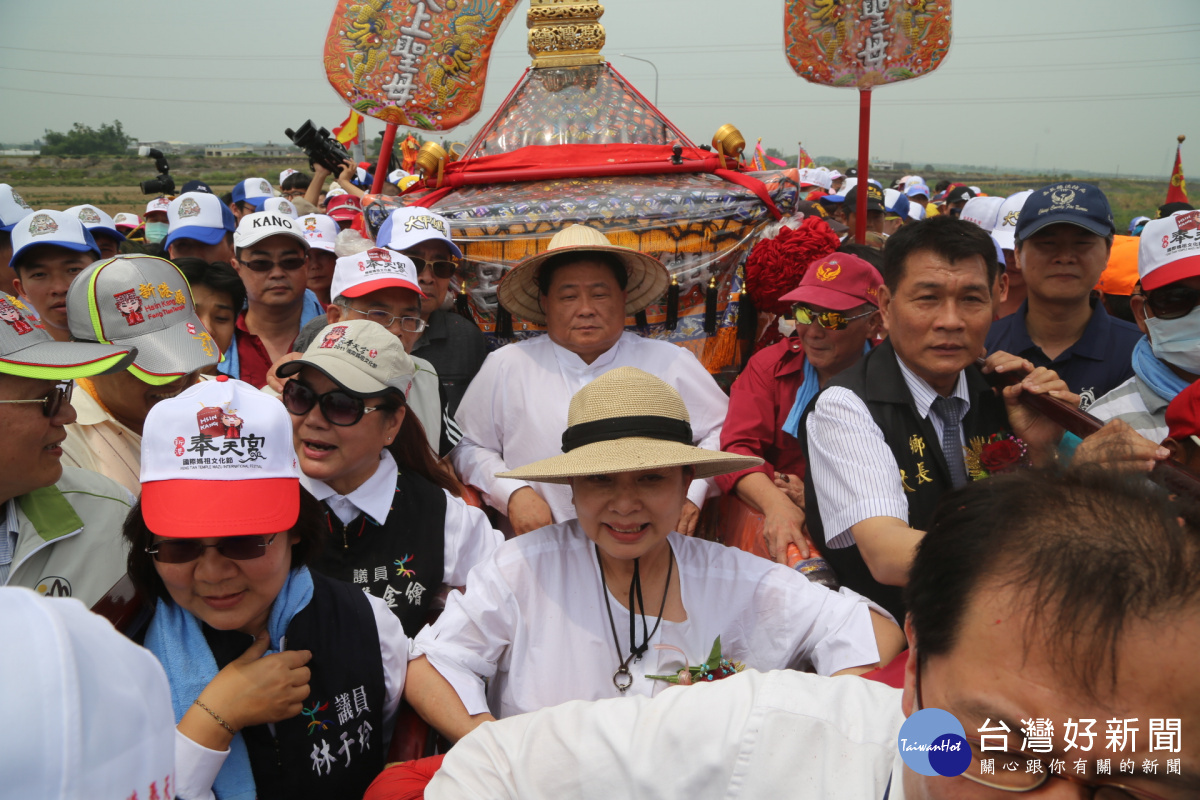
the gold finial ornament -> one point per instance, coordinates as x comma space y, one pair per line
1180, 138
729, 143
565, 33
431, 160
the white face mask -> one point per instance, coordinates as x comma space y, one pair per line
1177, 341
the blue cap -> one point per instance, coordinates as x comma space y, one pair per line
57, 228
900, 206
1073, 202
251, 190
199, 216
196, 186
1136, 224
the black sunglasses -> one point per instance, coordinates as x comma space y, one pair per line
1172, 302
53, 402
265, 265
238, 548
441, 269
338, 407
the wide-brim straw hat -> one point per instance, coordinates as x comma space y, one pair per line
628, 420
648, 278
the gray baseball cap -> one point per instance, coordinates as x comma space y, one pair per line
143, 302
27, 351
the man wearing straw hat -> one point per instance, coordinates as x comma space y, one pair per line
582, 288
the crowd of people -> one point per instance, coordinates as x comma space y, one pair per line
337, 507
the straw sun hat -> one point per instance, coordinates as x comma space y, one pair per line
648, 277
623, 421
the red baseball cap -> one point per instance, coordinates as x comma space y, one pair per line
838, 282
1183, 413
344, 206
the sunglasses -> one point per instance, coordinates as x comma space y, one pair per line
338, 407
264, 265
441, 269
1172, 302
53, 402
829, 320
238, 548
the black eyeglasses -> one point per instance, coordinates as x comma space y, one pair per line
409, 324
338, 407
1172, 302
53, 402
1011, 773
441, 268
290, 264
829, 320
238, 548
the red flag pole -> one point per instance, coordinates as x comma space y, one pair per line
864, 146
385, 157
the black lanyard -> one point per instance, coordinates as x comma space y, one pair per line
622, 678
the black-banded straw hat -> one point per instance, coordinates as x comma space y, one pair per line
628, 420
648, 278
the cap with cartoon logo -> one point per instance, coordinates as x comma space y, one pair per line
218, 460
360, 356
56, 228
145, 302
260, 225
253, 191
1005, 231
1073, 202
320, 230
96, 220
158, 204
1169, 250
127, 220
13, 207
371, 270
280, 205
27, 351
408, 227
838, 282
199, 216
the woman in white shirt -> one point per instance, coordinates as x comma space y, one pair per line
590, 608
395, 528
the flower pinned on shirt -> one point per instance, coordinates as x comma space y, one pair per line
716, 668
995, 455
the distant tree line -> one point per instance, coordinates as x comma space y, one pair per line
83, 140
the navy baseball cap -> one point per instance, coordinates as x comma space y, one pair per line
874, 198
196, 186
1073, 202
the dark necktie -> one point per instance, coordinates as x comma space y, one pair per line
950, 411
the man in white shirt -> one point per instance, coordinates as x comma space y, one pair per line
1018, 622
582, 288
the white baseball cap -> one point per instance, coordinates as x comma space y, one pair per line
1005, 229
334, 191
218, 460
95, 709
162, 204
320, 230
96, 220
983, 211
916, 211
283, 176
51, 227
397, 175
280, 205
408, 227
373, 269
1169, 250
916, 189
253, 191
127, 219
261, 224
12, 207
361, 356
200, 216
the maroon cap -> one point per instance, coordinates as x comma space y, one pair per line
1183, 413
838, 282
344, 206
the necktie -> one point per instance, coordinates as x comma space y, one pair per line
950, 411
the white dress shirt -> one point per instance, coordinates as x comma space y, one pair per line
853, 469
97, 442
515, 410
753, 736
469, 536
196, 766
533, 622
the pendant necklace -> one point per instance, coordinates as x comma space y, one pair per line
623, 678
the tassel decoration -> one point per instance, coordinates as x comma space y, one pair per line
747, 325
710, 307
504, 323
462, 306
640, 320
673, 305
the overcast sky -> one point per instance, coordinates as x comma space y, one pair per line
1101, 85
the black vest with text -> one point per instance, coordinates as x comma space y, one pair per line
334, 747
877, 380
401, 560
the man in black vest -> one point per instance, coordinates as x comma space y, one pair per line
907, 423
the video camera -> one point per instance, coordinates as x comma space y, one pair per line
320, 147
164, 183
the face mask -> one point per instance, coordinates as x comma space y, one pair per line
156, 231
1177, 341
